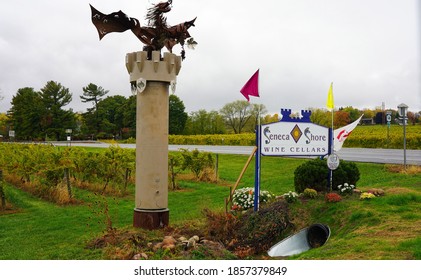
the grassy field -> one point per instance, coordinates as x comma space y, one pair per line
387, 227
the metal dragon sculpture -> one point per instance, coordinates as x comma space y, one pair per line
155, 35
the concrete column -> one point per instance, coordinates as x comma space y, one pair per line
152, 112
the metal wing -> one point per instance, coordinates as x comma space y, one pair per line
114, 22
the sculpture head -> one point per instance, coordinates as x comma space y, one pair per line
164, 7
154, 15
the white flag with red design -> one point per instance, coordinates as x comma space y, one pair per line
341, 134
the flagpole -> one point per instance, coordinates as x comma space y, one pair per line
333, 109
257, 163
258, 160
259, 107
332, 150
330, 104
257, 170
252, 88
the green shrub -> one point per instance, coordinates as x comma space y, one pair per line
310, 193
352, 173
311, 174
197, 162
174, 168
314, 174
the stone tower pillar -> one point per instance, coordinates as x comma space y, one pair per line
152, 113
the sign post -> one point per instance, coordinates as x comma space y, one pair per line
69, 136
11, 134
403, 110
331, 151
388, 119
257, 169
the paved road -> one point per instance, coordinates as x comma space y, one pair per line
395, 156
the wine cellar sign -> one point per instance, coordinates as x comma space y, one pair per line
294, 137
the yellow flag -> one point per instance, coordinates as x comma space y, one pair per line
329, 102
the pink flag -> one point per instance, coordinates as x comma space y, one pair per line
251, 87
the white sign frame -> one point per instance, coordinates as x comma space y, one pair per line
294, 139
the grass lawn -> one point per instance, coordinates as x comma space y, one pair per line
387, 227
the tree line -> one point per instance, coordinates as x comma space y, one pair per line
42, 115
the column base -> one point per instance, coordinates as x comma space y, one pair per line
151, 218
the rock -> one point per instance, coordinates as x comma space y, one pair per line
168, 242
157, 246
191, 243
168, 247
141, 256
212, 244
376, 192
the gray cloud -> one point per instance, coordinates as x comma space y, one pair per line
368, 49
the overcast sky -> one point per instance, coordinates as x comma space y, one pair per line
369, 49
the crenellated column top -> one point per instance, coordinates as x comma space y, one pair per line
157, 68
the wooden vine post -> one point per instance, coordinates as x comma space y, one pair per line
2, 195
